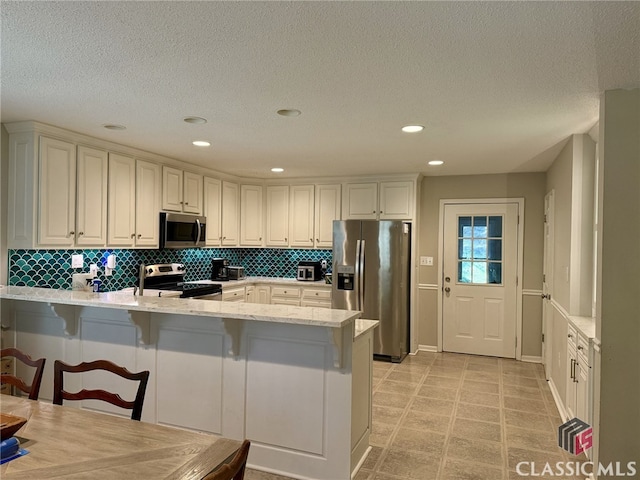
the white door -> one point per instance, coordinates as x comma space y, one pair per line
148, 203
251, 215
213, 210
122, 201
480, 279
547, 283
301, 198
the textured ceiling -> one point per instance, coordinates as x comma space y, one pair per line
498, 86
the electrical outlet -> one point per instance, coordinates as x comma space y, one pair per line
77, 261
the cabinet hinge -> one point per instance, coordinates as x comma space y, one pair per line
545, 218
543, 338
544, 277
516, 280
516, 342
518, 219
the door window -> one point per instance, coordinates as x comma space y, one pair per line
480, 249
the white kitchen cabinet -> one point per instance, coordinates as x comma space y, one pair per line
122, 200
251, 215
360, 201
148, 203
91, 197
285, 295
316, 297
301, 207
212, 208
181, 191
233, 294
578, 401
277, 216
192, 193
230, 213
383, 200
327, 209
172, 185
57, 199
263, 294
250, 294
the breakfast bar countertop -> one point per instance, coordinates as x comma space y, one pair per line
319, 317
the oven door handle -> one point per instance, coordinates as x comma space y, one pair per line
199, 231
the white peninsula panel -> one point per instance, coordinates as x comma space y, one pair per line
295, 381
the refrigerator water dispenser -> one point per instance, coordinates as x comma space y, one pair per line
346, 277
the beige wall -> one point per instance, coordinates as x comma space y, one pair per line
4, 174
531, 187
559, 181
617, 370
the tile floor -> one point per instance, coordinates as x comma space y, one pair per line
445, 416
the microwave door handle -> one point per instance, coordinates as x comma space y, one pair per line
199, 231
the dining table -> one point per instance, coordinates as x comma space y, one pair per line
74, 443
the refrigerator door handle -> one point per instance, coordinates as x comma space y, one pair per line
357, 276
362, 264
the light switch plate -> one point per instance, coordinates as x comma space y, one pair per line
77, 261
426, 261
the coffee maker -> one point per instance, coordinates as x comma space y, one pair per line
220, 269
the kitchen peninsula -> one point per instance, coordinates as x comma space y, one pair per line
294, 380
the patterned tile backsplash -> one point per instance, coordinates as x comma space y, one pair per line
52, 268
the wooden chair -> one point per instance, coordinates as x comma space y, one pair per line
234, 470
59, 394
34, 389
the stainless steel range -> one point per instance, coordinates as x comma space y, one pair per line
167, 280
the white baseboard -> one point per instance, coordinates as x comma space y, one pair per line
556, 399
428, 348
531, 359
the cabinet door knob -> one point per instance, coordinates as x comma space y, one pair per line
285, 239
133, 235
570, 336
80, 233
317, 240
139, 235
374, 211
186, 203
580, 347
72, 232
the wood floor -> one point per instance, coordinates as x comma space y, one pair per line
444, 416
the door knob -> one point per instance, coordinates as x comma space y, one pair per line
447, 279
447, 289
547, 296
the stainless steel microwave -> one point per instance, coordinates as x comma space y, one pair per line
182, 231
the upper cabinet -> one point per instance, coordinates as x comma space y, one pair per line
301, 201
57, 193
277, 216
122, 200
134, 202
181, 191
327, 209
57, 201
251, 215
302, 215
91, 196
230, 214
383, 200
213, 211
148, 203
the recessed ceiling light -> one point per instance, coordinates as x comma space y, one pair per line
111, 126
435, 162
289, 112
277, 170
195, 120
412, 128
201, 143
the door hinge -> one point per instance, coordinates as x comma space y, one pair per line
545, 219
543, 338
516, 342
544, 278
516, 280
518, 219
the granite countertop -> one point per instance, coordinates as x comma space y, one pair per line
319, 317
585, 325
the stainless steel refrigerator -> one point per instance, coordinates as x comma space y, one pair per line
371, 273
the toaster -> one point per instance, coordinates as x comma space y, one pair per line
236, 273
309, 271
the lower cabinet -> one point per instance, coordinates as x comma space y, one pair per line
578, 402
234, 294
285, 296
316, 297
